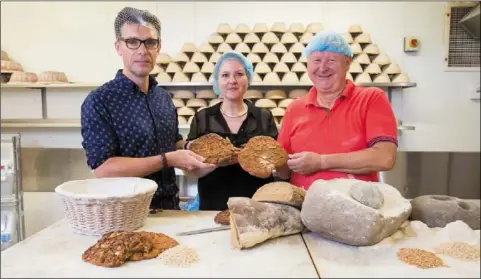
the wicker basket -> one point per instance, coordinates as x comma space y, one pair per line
98, 206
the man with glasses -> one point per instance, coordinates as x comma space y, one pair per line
129, 125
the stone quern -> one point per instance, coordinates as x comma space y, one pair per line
330, 211
440, 210
367, 194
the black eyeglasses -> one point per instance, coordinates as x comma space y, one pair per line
134, 43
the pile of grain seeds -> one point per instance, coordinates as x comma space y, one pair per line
458, 250
420, 258
179, 256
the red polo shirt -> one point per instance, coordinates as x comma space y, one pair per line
359, 118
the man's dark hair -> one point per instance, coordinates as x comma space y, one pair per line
136, 16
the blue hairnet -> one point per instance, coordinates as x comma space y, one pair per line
228, 56
328, 41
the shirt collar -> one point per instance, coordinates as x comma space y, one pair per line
129, 84
215, 110
311, 98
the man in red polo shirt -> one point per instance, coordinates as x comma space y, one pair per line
338, 130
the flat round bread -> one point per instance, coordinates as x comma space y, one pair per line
215, 149
159, 241
261, 155
134, 242
115, 248
107, 252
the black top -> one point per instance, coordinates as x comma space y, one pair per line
217, 187
118, 119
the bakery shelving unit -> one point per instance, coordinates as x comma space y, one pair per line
13, 222
195, 87
274, 51
171, 87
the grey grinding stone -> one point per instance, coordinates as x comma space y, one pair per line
367, 194
440, 210
331, 212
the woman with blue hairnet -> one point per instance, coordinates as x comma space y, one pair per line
338, 130
236, 119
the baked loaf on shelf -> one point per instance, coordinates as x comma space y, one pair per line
49, 77
5, 56
11, 66
276, 54
23, 77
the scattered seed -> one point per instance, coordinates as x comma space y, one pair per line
179, 256
459, 250
420, 258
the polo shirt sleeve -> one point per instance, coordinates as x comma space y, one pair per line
99, 139
381, 124
284, 137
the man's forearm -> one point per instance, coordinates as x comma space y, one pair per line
129, 167
359, 162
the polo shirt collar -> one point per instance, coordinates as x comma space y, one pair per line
311, 98
129, 84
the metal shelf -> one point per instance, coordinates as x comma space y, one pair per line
75, 123
40, 123
51, 85
15, 197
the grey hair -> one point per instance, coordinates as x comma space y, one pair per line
136, 16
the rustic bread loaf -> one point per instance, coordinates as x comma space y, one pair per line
252, 222
280, 192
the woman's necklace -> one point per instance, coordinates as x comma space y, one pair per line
235, 116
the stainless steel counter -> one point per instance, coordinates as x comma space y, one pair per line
415, 173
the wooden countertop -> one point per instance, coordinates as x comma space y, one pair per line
56, 252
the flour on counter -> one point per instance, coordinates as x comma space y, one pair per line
338, 260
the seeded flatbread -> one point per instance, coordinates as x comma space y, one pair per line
134, 242
115, 248
106, 254
261, 155
215, 149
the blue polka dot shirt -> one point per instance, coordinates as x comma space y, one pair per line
119, 120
